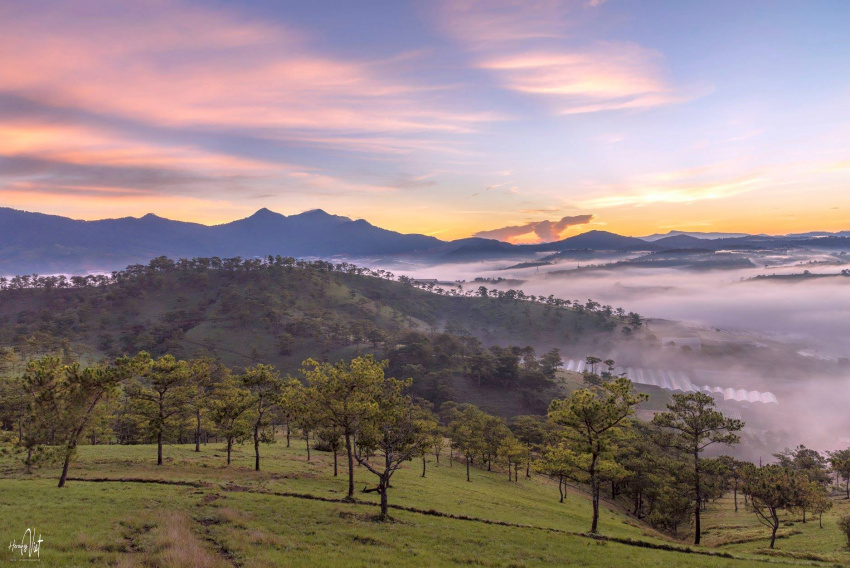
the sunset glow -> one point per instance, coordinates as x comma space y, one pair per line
443, 118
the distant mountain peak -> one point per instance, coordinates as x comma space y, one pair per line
320, 215
265, 212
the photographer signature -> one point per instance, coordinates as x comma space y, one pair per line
29, 546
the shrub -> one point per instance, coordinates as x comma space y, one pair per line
844, 525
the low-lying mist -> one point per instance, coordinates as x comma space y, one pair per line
817, 309
792, 333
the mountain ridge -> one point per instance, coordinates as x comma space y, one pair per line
44, 243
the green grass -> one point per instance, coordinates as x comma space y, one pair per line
741, 532
231, 516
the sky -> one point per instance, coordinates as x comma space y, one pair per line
521, 120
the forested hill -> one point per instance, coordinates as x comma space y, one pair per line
281, 311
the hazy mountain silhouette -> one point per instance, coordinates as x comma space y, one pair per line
682, 241
596, 240
39, 243
695, 234
34, 242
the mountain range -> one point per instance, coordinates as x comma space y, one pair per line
698, 235
39, 243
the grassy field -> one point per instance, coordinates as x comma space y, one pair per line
291, 514
741, 532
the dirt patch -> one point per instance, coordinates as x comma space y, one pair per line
180, 548
367, 540
210, 497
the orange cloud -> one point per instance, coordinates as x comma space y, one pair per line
539, 231
678, 193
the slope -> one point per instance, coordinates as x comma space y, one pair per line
291, 514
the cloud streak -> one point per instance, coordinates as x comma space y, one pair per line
169, 97
544, 231
680, 194
177, 64
536, 48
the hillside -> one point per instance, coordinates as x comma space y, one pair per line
282, 314
199, 508
194, 511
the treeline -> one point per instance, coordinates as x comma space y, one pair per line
354, 409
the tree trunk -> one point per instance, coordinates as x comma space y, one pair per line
697, 489
160, 428
257, 446
65, 466
229, 447
467, 468
349, 450
773, 532
561, 489
336, 460
28, 462
423, 465
735, 494
198, 430
307, 439
595, 494
594, 489
287, 433
382, 487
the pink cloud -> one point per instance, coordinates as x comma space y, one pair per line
85, 145
484, 23
536, 48
177, 64
172, 64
